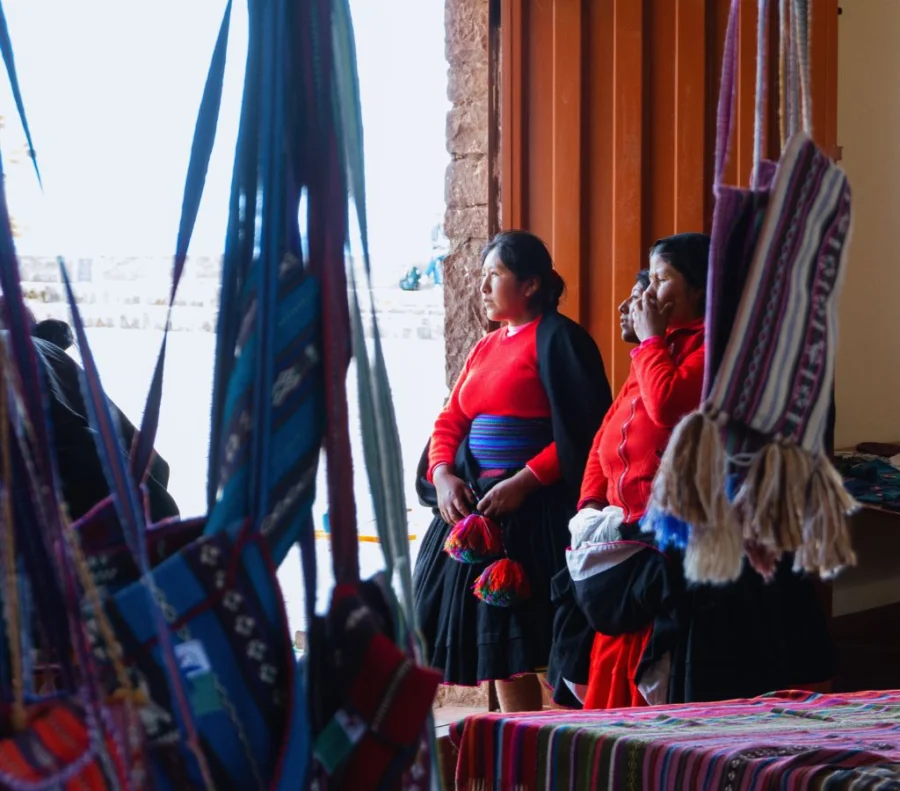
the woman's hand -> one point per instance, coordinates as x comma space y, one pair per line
507, 496
649, 317
455, 499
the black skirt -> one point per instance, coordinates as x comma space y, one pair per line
750, 637
470, 641
740, 640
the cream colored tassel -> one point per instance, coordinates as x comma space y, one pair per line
691, 478
690, 485
758, 500
772, 500
798, 467
715, 555
826, 547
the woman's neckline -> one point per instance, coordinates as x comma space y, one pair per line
513, 331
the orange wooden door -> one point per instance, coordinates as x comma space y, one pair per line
607, 129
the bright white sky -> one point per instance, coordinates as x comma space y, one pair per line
112, 87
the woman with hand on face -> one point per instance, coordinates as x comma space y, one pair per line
659, 640
605, 562
510, 445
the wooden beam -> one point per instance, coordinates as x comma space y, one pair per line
627, 154
690, 185
567, 242
513, 188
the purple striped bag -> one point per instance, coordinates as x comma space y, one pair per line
746, 475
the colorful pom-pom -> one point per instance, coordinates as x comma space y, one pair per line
475, 539
503, 584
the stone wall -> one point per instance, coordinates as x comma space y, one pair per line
466, 222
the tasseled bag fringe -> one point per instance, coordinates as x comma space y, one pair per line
826, 547
690, 508
690, 483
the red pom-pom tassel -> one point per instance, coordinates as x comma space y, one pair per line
503, 584
475, 539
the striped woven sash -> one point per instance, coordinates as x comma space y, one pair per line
499, 442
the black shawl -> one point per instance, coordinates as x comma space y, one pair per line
83, 480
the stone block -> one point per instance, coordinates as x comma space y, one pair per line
464, 697
467, 128
464, 318
468, 81
465, 224
466, 28
467, 182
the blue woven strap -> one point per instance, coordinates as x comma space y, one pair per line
268, 406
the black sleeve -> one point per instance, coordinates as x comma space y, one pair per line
574, 378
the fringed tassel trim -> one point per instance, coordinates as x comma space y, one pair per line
770, 504
826, 547
475, 539
791, 501
689, 490
690, 483
715, 555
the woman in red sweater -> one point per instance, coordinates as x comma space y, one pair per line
511, 444
664, 383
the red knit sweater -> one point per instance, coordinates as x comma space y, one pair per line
500, 377
664, 384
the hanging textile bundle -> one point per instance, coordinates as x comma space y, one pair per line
748, 472
76, 735
210, 694
475, 539
371, 697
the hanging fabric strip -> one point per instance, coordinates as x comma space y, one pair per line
9, 60
39, 499
762, 59
783, 44
800, 31
123, 479
725, 109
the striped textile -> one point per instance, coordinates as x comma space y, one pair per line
789, 741
777, 370
55, 752
499, 442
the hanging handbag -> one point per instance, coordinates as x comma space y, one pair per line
759, 481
